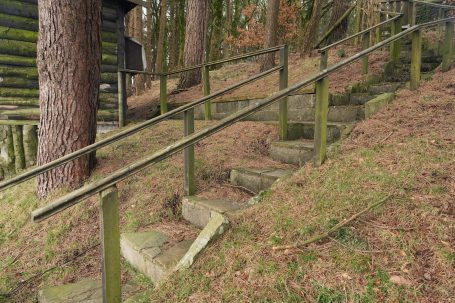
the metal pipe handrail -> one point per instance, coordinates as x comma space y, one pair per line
234, 58
121, 174
127, 132
323, 49
446, 6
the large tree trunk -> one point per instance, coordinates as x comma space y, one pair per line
161, 36
194, 41
339, 7
69, 60
273, 8
311, 30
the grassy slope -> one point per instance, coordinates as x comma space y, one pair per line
401, 252
149, 199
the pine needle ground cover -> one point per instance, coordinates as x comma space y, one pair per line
403, 251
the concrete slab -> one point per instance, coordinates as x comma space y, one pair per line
87, 291
257, 180
292, 152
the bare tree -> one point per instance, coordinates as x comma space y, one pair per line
194, 41
69, 60
273, 8
161, 38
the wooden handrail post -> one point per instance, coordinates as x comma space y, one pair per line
416, 59
122, 98
412, 13
320, 126
206, 83
405, 11
395, 47
189, 182
324, 60
379, 29
110, 242
163, 93
447, 57
365, 45
283, 115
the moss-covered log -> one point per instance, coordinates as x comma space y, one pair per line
108, 68
110, 78
19, 8
17, 60
10, 33
19, 122
30, 144
19, 101
18, 141
25, 113
109, 48
109, 37
17, 48
109, 14
7, 150
109, 26
107, 115
18, 82
18, 22
106, 97
19, 92
30, 73
108, 59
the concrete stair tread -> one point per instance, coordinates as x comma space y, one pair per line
295, 144
151, 252
198, 211
257, 180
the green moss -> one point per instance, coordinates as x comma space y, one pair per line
17, 48
17, 60
18, 34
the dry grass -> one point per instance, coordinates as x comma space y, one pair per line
401, 252
149, 200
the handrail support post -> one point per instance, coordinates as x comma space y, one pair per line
320, 121
447, 57
163, 93
365, 45
122, 98
189, 181
206, 83
395, 47
283, 105
110, 242
416, 59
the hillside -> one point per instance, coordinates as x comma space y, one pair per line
403, 251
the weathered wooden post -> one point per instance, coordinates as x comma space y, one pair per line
283, 115
10, 161
405, 10
412, 13
365, 45
447, 56
206, 83
110, 243
18, 141
163, 93
395, 47
324, 60
189, 182
320, 126
122, 97
416, 58
30, 144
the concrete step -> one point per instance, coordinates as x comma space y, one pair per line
344, 113
150, 253
199, 211
361, 98
386, 87
257, 180
296, 152
305, 130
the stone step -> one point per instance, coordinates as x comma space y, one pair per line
361, 98
199, 211
150, 253
296, 152
344, 113
257, 180
305, 130
88, 291
386, 87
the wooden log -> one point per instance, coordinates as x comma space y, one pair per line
17, 60
110, 78
109, 37
107, 97
19, 22
20, 114
17, 48
109, 26
30, 73
19, 8
109, 13
19, 122
109, 68
109, 48
7, 150
108, 59
18, 82
19, 92
19, 101
30, 133
18, 142
18, 34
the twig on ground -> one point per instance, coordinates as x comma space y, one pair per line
385, 139
333, 229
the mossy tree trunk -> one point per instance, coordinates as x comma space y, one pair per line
69, 64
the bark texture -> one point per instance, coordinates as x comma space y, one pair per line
69, 60
194, 41
273, 8
161, 38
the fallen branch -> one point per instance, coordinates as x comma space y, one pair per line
333, 229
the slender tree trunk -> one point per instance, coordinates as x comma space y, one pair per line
173, 38
69, 63
182, 30
339, 7
148, 44
217, 27
228, 27
160, 49
273, 8
194, 41
138, 32
311, 30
